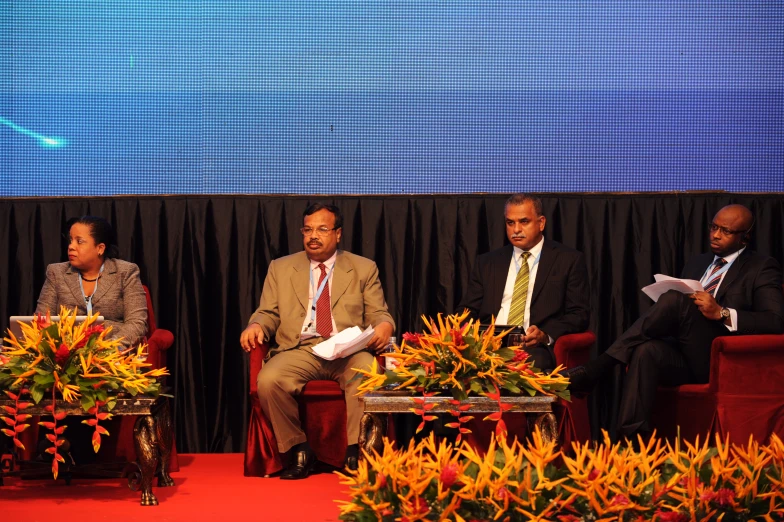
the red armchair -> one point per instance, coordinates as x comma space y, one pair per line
322, 411
743, 396
574, 424
120, 444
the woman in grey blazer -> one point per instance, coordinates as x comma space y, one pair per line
95, 281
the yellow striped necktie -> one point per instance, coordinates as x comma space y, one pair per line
520, 294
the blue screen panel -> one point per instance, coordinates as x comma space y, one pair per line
356, 97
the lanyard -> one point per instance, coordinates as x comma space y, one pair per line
316, 296
89, 300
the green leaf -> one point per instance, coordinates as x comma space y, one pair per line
101, 394
391, 377
506, 354
44, 380
459, 394
511, 387
476, 386
111, 405
73, 369
87, 400
37, 393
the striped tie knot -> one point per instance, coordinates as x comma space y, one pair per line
713, 278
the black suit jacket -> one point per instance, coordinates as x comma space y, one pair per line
752, 286
560, 303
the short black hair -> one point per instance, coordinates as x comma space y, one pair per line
101, 232
522, 197
315, 207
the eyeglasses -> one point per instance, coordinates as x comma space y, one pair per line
320, 231
713, 227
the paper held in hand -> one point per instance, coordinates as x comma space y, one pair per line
348, 342
666, 283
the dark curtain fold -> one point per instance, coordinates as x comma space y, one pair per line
204, 259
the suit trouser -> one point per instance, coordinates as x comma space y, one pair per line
284, 376
668, 345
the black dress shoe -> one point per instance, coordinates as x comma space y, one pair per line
301, 466
580, 383
352, 463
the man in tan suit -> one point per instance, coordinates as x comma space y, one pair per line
308, 297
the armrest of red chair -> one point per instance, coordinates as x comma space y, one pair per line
574, 349
159, 341
743, 362
256, 362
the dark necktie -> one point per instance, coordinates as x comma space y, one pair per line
713, 279
323, 307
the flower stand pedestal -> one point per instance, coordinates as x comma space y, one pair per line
538, 410
153, 439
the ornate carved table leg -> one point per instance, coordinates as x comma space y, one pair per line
145, 440
163, 425
547, 424
372, 429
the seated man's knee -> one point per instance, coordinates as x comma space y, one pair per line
271, 381
648, 354
362, 360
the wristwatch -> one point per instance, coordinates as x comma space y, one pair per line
725, 313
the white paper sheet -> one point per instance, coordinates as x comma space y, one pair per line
666, 283
345, 343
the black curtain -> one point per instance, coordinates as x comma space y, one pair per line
204, 259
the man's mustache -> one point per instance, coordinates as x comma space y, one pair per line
518, 236
314, 243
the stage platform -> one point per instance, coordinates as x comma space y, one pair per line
209, 486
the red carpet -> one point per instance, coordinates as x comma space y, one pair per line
208, 487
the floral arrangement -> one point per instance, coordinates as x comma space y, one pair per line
452, 356
514, 482
72, 362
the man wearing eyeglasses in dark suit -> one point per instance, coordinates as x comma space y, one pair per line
671, 343
307, 298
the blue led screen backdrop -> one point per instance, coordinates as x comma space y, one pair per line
373, 96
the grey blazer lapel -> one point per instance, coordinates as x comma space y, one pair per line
300, 279
71, 280
341, 278
108, 280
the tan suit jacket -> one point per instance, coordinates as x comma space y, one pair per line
120, 297
356, 296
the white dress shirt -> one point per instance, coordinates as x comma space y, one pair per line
506, 301
733, 326
316, 272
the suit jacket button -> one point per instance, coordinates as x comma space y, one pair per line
302, 314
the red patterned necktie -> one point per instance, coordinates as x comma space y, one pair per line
323, 307
713, 279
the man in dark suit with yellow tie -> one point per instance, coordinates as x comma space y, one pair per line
534, 283
671, 343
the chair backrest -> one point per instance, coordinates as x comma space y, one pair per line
150, 314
